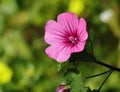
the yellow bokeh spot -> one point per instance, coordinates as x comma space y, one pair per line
30, 72
5, 73
76, 6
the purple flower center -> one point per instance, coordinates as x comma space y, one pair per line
73, 39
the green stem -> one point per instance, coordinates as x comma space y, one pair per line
107, 65
97, 74
91, 46
105, 80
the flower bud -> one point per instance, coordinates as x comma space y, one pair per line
63, 88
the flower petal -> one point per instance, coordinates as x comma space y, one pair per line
69, 22
59, 52
82, 32
53, 33
78, 47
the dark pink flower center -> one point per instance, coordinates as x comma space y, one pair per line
73, 39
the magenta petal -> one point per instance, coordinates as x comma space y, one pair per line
53, 33
78, 47
82, 32
59, 52
69, 22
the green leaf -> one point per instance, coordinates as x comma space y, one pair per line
75, 81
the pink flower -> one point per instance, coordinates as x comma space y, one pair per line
66, 36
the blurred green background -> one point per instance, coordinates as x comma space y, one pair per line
24, 66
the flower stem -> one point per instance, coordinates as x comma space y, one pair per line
91, 43
97, 74
107, 65
105, 80
87, 57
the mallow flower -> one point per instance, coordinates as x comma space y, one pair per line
65, 36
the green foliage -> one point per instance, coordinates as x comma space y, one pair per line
75, 82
